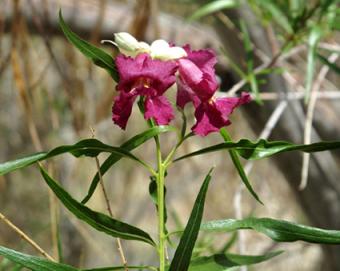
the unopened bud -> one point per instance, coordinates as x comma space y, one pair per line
160, 49
126, 42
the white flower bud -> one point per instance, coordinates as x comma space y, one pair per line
160, 49
126, 42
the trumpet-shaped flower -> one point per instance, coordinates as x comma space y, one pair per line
197, 84
149, 70
143, 76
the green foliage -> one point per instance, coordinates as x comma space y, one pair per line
129, 145
237, 163
223, 262
278, 230
182, 256
263, 148
97, 55
314, 37
99, 221
212, 7
86, 147
34, 263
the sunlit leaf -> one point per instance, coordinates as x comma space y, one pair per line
223, 262
278, 230
212, 7
183, 253
129, 145
263, 148
97, 55
236, 161
99, 221
34, 263
313, 40
86, 147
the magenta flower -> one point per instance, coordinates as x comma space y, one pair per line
197, 84
143, 76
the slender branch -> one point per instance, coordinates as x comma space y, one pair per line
26, 238
309, 119
108, 206
160, 205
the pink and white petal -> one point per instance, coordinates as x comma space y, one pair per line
158, 108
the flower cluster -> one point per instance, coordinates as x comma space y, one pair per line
150, 70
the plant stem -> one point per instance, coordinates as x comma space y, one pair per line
160, 204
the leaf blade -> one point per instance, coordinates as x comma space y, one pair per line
87, 147
97, 55
212, 7
185, 247
34, 263
222, 262
278, 230
237, 163
98, 221
129, 145
262, 149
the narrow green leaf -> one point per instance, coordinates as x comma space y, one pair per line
313, 40
139, 267
263, 148
251, 77
87, 147
99, 221
277, 14
223, 262
278, 230
97, 55
331, 65
186, 245
236, 161
212, 7
129, 145
34, 263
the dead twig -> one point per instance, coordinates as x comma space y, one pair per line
25, 237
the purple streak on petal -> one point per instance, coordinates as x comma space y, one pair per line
122, 108
158, 108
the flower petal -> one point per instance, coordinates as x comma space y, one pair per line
213, 115
227, 105
203, 124
122, 108
197, 71
185, 95
160, 75
158, 108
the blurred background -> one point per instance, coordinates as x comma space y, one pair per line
50, 95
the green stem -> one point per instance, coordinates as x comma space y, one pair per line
160, 203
